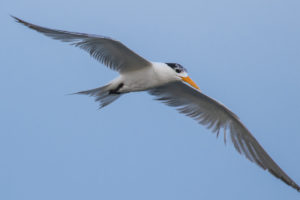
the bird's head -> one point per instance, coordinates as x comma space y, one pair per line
181, 74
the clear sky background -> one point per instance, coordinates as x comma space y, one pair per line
245, 54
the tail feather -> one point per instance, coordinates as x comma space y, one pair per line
102, 95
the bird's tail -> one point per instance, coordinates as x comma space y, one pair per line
101, 94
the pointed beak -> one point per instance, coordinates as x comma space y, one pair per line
188, 80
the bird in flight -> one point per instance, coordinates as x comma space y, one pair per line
170, 83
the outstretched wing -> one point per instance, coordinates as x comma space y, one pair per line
110, 52
217, 117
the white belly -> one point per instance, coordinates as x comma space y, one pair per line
139, 80
143, 79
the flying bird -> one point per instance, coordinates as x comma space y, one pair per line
170, 83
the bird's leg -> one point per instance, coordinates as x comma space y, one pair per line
116, 91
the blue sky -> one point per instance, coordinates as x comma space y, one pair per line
58, 146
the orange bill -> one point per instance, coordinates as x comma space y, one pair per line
190, 81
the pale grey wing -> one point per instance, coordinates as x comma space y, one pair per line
110, 52
217, 117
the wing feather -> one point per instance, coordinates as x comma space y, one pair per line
217, 117
109, 52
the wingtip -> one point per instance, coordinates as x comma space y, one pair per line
14, 17
18, 20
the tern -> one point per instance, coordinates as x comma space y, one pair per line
170, 83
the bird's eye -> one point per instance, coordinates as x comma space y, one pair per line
178, 70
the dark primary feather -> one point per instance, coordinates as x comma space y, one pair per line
110, 52
217, 117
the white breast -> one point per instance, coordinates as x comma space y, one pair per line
146, 78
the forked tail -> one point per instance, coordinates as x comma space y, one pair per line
101, 94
